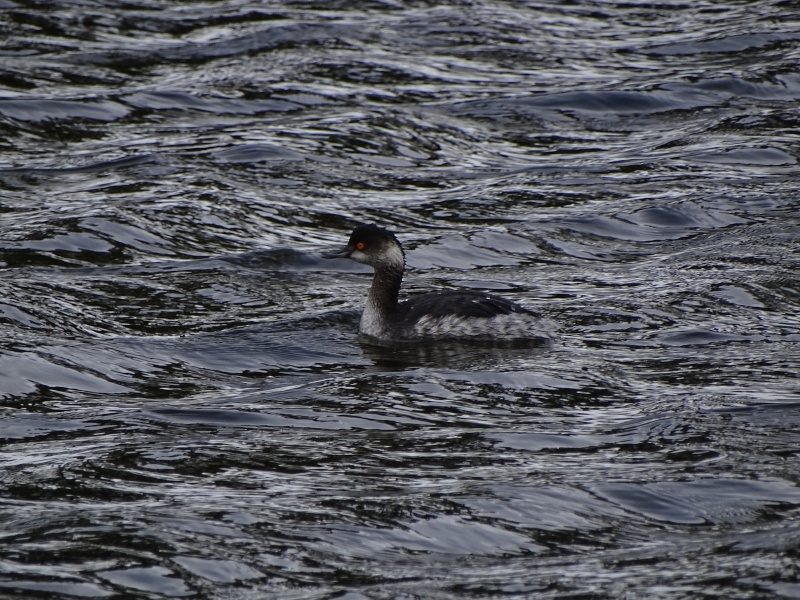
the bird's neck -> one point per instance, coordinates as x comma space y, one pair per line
385, 290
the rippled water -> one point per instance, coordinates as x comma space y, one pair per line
186, 410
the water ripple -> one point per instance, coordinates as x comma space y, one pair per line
186, 410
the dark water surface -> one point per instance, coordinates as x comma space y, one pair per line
186, 411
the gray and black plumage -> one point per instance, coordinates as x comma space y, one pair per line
455, 315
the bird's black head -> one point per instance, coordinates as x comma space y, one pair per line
372, 245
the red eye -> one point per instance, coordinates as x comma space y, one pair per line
360, 245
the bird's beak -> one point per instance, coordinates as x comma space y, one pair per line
341, 253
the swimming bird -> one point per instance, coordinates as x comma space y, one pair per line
449, 315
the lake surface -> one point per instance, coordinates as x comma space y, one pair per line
186, 409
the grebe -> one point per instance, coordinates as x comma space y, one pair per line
452, 315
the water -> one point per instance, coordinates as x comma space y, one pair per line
186, 411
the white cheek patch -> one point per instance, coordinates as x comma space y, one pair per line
358, 256
393, 256
390, 256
